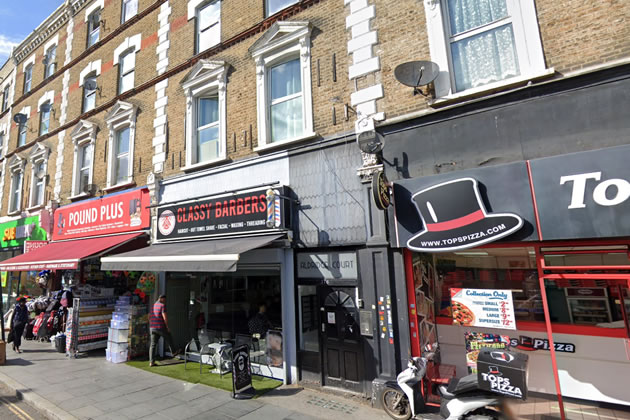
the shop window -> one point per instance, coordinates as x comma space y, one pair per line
16, 169
39, 163
274, 6
129, 9
207, 16
121, 122
50, 63
83, 137
284, 84
480, 44
205, 89
309, 318
28, 78
93, 27
5, 97
125, 57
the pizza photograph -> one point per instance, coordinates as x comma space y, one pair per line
462, 315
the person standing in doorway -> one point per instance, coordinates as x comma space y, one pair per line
158, 323
18, 322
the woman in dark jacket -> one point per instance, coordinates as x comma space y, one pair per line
18, 322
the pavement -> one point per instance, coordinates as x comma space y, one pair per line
92, 388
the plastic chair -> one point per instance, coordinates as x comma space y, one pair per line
192, 348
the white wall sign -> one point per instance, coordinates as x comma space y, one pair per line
483, 308
330, 265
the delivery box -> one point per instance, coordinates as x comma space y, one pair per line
503, 372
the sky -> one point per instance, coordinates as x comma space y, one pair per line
18, 18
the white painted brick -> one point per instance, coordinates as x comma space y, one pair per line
366, 108
165, 7
160, 130
367, 94
362, 54
379, 116
163, 30
159, 121
161, 85
363, 14
163, 47
161, 102
158, 167
365, 124
356, 5
164, 15
160, 111
364, 67
159, 158
162, 64
162, 38
364, 40
159, 149
159, 140
361, 28
163, 56
160, 93
345, 2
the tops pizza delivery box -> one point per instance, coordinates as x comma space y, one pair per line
503, 372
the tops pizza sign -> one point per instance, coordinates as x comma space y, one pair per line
252, 211
115, 213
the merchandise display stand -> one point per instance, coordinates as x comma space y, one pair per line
128, 332
87, 326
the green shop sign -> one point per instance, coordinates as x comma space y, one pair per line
15, 232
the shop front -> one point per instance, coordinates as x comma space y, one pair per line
18, 237
225, 263
530, 255
82, 233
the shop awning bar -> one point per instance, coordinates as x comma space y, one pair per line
219, 255
66, 255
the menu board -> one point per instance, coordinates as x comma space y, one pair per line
475, 341
483, 308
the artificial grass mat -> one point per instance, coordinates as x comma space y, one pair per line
191, 374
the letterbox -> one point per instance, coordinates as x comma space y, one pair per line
503, 372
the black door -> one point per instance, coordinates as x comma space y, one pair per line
341, 338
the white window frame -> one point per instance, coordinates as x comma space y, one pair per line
3, 136
92, 67
28, 77
271, 13
48, 97
82, 135
89, 19
6, 92
130, 45
16, 166
194, 6
206, 79
124, 17
54, 42
122, 115
23, 129
39, 155
527, 41
282, 42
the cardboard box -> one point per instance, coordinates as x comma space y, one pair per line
503, 372
3, 353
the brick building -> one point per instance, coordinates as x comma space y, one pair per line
199, 100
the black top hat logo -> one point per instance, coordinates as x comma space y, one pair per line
454, 218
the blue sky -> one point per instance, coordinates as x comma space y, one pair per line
18, 18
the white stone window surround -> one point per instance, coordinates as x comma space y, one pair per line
26, 111
83, 134
29, 61
16, 165
122, 115
282, 42
49, 96
125, 17
39, 154
53, 42
527, 41
94, 66
132, 43
193, 7
6, 99
207, 78
98, 4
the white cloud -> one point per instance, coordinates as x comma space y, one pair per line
6, 44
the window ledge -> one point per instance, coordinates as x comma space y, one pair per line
205, 164
34, 208
14, 213
120, 186
281, 144
491, 88
78, 196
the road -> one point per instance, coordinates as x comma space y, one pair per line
13, 408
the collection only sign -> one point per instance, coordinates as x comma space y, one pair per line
483, 308
250, 211
114, 213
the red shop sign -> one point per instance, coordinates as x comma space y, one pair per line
115, 213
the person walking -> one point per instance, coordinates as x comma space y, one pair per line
19, 320
158, 323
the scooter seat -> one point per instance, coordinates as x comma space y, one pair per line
444, 393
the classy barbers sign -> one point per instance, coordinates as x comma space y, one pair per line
249, 211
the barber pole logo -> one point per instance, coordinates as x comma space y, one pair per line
273, 209
166, 222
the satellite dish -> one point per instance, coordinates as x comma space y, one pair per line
369, 142
90, 189
90, 84
416, 74
45, 107
45, 60
20, 118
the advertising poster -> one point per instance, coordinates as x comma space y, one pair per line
475, 341
16, 232
424, 279
483, 308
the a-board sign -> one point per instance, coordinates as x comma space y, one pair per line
242, 388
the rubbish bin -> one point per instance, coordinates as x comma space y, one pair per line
503, 372
60, 343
